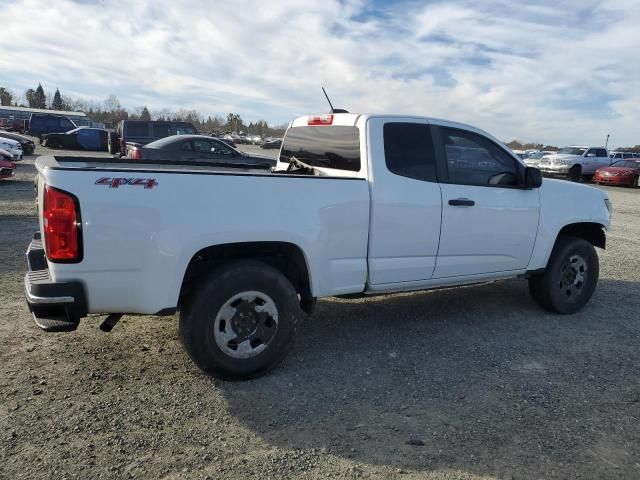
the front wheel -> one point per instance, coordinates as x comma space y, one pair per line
634, 183
240, 323
575, 173
570, 278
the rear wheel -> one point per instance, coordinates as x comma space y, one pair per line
112, 143
575, 173
634, 183
240, 323
570, 278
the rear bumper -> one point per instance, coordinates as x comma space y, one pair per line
56, 306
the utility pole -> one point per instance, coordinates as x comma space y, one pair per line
607, 141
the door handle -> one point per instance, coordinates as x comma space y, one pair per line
462, 202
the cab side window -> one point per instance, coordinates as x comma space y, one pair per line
202, 146
473, 159
220, 148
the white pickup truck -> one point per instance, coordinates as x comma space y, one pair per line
358, 204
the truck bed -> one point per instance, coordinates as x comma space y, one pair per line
143, 223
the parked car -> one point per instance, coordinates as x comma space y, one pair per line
7, 167
622, 172
574, 162
13, 147
6, 155
271, 144
26, 143
43, 123
196, 148
82, 138
142, 132
533, 160
241, 254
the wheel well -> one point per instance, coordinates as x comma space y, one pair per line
285, 257
591, 232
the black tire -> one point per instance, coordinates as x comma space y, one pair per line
570, 278
112, 143
634, 183
202, 317
575, 173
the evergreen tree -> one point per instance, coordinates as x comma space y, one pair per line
40, 99
30, 95
6, 96
57, 103
145, 115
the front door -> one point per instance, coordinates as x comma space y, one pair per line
489, 223
405, 202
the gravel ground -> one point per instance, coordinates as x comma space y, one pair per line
463, 383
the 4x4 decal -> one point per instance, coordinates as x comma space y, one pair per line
147, 183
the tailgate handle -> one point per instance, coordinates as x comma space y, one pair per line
462, 202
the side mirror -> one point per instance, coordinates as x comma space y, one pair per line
532, 177
591, 154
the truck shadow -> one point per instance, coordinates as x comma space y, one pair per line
475, 379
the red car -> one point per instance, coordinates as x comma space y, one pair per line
7, 167
622, 172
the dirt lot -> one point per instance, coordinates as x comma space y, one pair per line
455, 384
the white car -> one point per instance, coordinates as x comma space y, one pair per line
533, 160
357, 205
12, 146
575, 162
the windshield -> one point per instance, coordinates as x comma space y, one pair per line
571, 151
627, 164
537, 155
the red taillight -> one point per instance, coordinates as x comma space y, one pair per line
61, 226
135, 153
320, 119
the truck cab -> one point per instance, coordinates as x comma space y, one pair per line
575, 162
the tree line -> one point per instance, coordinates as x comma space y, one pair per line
111, 111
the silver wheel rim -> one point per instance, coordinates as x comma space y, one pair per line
246, 324
573, 276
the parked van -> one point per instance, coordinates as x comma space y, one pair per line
41, 123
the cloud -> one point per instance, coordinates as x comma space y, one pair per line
554, 72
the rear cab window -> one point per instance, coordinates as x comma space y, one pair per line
334, 148
136, 129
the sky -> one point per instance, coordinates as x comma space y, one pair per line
556, 72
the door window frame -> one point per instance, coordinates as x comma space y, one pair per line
442, 167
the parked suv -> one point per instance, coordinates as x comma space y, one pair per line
41, 123
142, 132
575, 162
